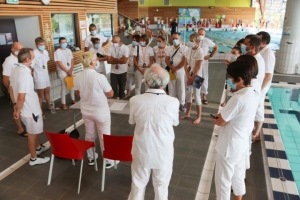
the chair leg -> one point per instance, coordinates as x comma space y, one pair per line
80, 175
50, 170
94, 154
115, 164
103, 174
73, 162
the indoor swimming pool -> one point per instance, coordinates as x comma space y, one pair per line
285, 104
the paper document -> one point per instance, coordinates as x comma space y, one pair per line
117, 106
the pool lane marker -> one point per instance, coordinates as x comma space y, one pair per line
26, 158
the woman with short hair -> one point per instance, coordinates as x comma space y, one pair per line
101, 55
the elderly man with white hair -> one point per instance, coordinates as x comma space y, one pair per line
154, 114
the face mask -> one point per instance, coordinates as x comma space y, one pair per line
134, 43
97, 46
232, 57
98, 65
41, 47
64, 45
32, 63
191, 44
93, 32
201, 37
230, 83
16, 53
176, 42
143, 44
243, 49
116, 45
159, 44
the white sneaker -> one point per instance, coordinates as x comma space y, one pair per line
39, 160
42, 149
110, 164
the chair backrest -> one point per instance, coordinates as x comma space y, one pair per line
65, 147
117, 147
77, 68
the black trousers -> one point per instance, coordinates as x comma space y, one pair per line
118, 83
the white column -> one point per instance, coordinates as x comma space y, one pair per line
288, 55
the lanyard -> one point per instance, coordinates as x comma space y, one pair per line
66, 56
43, 59
175, 53
144, 54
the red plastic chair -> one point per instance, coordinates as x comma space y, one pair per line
116, 148
65, 147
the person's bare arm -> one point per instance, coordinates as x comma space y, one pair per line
109, 94
86, 49
77, 93
105, 43
70, 71
103, 58
122, 60
110, 60
215, 49
267, 79
5, 80
220, 121
61, 66
151, 60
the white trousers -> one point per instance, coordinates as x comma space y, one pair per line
204, 86
189, 94
177, 87
63, 90
229, 174
130, 80
260, 113
138, 82
140, 177
96, 124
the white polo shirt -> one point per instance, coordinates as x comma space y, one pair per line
261, 67
192, 56
239, 113
41, 66
92, 87
88, 43
178, 56
21, 81
65, 56
102, 52
205, 44
269, 58
161, 54
118, 52
130, 60
154, 116
144, 55
9, 64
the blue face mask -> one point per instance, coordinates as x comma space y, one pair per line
97, 46
41, 47
93, 32
191, 44
143, 44
134, 43
98, 65
231, 84
64, 45
243, 49
176, 42
159, 44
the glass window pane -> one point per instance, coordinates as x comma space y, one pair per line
103, 23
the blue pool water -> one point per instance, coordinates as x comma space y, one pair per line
286, 108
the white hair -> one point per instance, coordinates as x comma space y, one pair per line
156, 76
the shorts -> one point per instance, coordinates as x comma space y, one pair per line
42, 85
32, 126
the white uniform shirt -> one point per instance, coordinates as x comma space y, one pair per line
161, 54
178, 56
9, 64
65, 56
41, 67
154, 116
102, 52
118, 52
239, 113
261, 67
92, 87
205, 44
269, 58
21, 81
144, 55
130, 61
192, 56
88, 43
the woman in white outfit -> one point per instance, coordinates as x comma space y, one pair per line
143, 58
130, 62
161, 51
101, 55
193, 60
93, 90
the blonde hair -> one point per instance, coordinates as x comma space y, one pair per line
195, 37
87, 58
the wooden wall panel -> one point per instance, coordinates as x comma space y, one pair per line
128, 8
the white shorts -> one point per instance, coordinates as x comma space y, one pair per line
32, 126
42, 85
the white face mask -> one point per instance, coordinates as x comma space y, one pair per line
201, 37
116, 45
16, 53
232, 57
32, 63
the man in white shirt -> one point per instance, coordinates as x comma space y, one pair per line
251, 47
40, 75
9, 64
26, 104
154, 114
205, 44
235, 121
88, 43
175, 61
64, 65
117, 56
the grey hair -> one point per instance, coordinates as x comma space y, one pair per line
195, 37
155, 78
201, 29
23, 54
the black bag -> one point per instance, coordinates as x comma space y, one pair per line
100, 55
74, 134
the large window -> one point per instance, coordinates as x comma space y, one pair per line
103, 23
63, 25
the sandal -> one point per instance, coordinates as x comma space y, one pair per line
205, 101
23, 134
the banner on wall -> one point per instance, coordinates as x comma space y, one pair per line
189, 15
